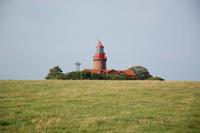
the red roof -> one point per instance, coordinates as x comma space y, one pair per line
127, 72
95, 71
130, 72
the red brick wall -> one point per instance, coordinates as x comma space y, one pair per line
99, 64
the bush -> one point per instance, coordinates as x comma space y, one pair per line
156, 78
91, 76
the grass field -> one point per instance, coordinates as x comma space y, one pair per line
99, 106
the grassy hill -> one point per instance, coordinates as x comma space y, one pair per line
99, 106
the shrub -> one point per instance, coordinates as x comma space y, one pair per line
156, 78
91, 76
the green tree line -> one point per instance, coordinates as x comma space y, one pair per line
141, 74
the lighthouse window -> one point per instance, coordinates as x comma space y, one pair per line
101, 50
98, 50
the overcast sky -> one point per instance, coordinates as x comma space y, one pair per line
162, 35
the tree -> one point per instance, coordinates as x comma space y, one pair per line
55, 73
141, 72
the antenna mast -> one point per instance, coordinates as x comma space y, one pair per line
78, 63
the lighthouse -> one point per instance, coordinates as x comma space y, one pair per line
99, 59
99, 64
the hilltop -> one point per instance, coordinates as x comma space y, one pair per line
99, 106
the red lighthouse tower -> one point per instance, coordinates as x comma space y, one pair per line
99, 59
99, 64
